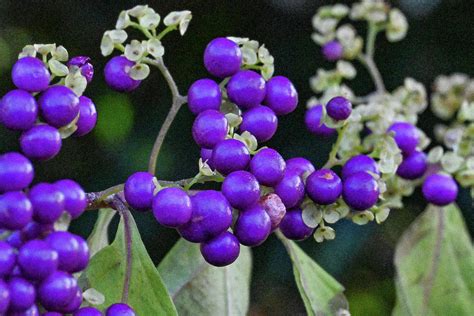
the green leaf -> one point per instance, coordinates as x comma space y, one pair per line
106, 271
99, 238
321, 293
434, 262
198, 288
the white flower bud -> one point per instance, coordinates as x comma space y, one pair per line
135, 50
312, 215
28, 50
58, 68
150, 20
139, 71
155, 48
60, 53
139, 11
180, 18
123, 21
397, 26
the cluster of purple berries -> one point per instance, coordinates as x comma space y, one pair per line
40, 109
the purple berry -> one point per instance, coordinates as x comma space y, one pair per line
293, 226
59, 105
117, 76
119, 309
209, 128
211, 216
246, 89
299, 165
22, 294
16, 172
332, 50
16, 210
290, 189
139, 189
253, 226
74, 304
47, 201
222, 57
313, 121
18, 110
7, 259
206, 155
72, 250
413, 165
32, 311
36, 230
268, 166
172, 207
339, 108
274, 207
75, 201
57, 291
359, 163
37, 260
281, 96
83, 63
87, 311
360, 191
440, 189
241, 189
4, 297
15, 240
42, 142
30, 74
261, 122
87, 117
204, 94
407, 136
221, 250
230, 155
324, 186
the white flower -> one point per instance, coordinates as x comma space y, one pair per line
264, 55
28, 50
267, 71
44, 49
76, 82
180, 18
312, 215
135, 50
155, 48
93, 297
150, 20
249, 55
58, 68
139, 71
139, 11
123, 21
346, 69
397, 26
238, 40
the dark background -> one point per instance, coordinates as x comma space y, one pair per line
439, 41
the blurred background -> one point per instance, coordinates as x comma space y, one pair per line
439, 41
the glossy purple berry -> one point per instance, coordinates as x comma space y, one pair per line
37, 260
83, 63
293, 226
230, 155
221, 250
36, 230
87, 311
74, 304
72, 250
87, 116
59, 105
18, 110
261, 122
172, 207
22, 294
274, 207
290, 189
407, 136
57, 291
7, 259
139, 189
206, 155
359, 163
332, 50
204, 94
117, 76
324, 186
16, 172
253, 226
360, 191
212, 215
4, 297
440, 189
246, 89
268, 166
15, 240
222, 57
47, 201
209, 128
241, 189
281, 95
299, 165
119, 309
42, 142
313, 121
339, 108
413, 165
16, 210
30, 74
75, 201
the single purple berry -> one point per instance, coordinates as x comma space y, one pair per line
74, 304
209, 128
241, 189
246, 89
211, 216
268, 166
253, 226
57, 291
293, 226
407, 136
16, 210
290, 189
222, 57
59, 105
313, 121
359, 163
87, 116
15, 240
87, 311
22, 294
299, 165
83, 63
339, 108
7, 259
18, 110
281, 96
117, 76
73, 252
119, 309
274, 207
206, 155
16, 172
261, 122
204, 94
230, 155
221, 250
139, 189
37, 260
324, 186
360, 191
47, 201
440, 189
42, 142
75, 201
332, 50
4, 297
30, 74
413, 165
172, 207
35, 230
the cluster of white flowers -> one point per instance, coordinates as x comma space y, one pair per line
255, 56
449, 93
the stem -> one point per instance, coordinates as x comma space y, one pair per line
166, 31
332, 160
142, 29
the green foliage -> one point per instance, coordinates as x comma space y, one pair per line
99, 238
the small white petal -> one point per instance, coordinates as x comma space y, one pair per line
123, 21
93, 297
139, 71
60, 53
28, 50
134, 51
76, 82
58, 68
44, 49
155, 48
106, 45
138, 11
150, 20
117, 36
